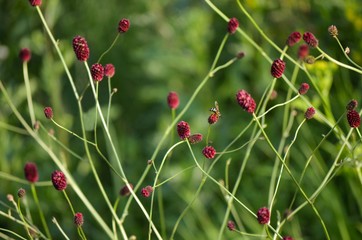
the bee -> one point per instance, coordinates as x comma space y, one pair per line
215, 109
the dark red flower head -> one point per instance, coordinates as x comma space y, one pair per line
109, 70
233, 25
213, 118
97, 72
303, 51
59, 181
21, 192
35, 2
195, 138
310, 39
146, 191
123, 25
78, 219
48, 112
287, 238
352, 104
277, 68
80, 48
31, 172
172, 100
245, 101
303, 89
354, 120
209, 152
231, 225
309, 113
125, 191
25, 54
183, 130
263, 215
293, 38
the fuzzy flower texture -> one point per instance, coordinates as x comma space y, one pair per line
123, 25
277, 68
263, 215
173, 100
183, 130
209, 152
233, 25
245, 101
59, 181
80, 48
97, 72
78, 219
353, 118
31, 172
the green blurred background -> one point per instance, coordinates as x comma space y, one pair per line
170, 47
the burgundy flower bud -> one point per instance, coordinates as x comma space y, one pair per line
78, 219
310, 39
287, 238
172, 100
123, 25
293, 38
195, 138
353, 118
80, 48
209, 152
125, 191
303, 89
240, 55
245, 101
352, 104
263, 215
35, 2
109, 70
333, 30
309, 113
25, 54
48, 112
213, 118
31, 172
21, 192
277, 68
233, 25
231, 225
97, 72
59, 181
303, 51
146, 191
183, 130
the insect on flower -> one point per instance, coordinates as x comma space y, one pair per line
216, 109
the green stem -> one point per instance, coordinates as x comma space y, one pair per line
42, 218
28, 93
105, 52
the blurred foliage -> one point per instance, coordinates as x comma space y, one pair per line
170, 47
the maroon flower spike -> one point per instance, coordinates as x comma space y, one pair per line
213, 118
125, 191
310, 39
31, 172
303, 89
309, 113
25, 55
277, 68
21, 192
263, 215
293, 38
35, 2
353, 118
195, 138
231, 225
48, 112
78, 219
123, 25
59, 181
245, 101
109, 70
183, 130
173, 100
146, 191
352, 104
303, 51
80, 48
287, 238
97, 72
209, 152
233, 25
